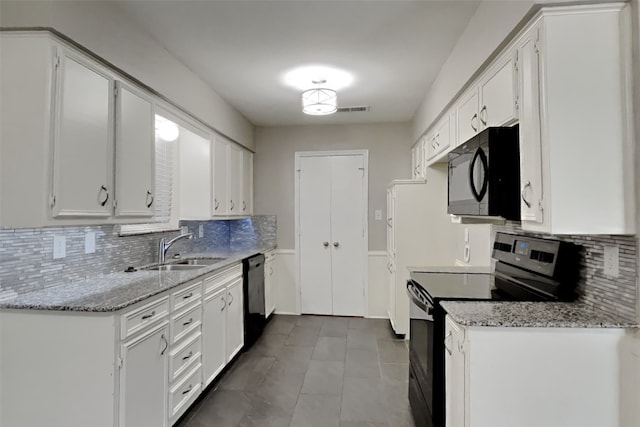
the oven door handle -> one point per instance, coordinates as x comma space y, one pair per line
427, 308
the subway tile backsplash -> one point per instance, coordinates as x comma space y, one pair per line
27, 263
614, 295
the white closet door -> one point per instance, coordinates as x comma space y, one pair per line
315, 234
347, 235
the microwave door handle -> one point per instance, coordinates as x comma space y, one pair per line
479, 154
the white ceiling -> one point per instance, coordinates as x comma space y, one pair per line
394, 50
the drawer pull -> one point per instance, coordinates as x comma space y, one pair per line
188, 390
230, 296
188, 296
188, 356
148, 316
188, 322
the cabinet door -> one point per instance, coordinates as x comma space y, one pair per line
220, 197
214, 331
468, 123
135, 153
270, 274
247, 183
497, 93
442, 136
391, 290
195, 176
235, 316
143, 379
455, 375
234, 179
82, 165
529, 129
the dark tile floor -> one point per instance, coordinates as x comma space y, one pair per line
313, 371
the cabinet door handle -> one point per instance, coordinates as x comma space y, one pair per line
216, 204
230, 296
524, 189
475, 117
336, 244
166, 345
188, 390
484, 121
149, 203
188, 356
149, 316
224, 304
232, 205
445, 344
325, 244
106, 192
244, 206
188, 322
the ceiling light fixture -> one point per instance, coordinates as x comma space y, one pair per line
319, 101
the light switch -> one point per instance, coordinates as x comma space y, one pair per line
59, 247
89, 242
611, 260
201, 231
378, 215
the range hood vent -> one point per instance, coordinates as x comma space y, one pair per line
362, 109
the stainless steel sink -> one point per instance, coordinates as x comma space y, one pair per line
200, 261
174, 267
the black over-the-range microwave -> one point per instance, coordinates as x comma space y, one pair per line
484, 175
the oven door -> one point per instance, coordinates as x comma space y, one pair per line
421, 340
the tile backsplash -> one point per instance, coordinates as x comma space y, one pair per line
27, 263
614, 295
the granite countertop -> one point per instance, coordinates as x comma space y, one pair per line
113, 292
531, 315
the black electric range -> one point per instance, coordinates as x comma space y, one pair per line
526, 269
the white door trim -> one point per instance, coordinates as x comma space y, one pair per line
365, 217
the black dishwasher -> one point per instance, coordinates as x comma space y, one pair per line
253, 290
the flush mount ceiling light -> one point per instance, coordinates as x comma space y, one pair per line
319, 101
166, 129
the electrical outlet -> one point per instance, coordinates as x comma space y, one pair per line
201, 231
89, 242
466, 234
184, 229
611, 260
59, 247
378, 215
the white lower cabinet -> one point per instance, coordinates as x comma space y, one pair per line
139, 367
143, 379
532, 377
270, 282
223, 321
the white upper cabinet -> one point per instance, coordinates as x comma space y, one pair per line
498, 93
575, 123
219, 198
234, 179
195, 176
246, 207
83, 135
135, 152
467, 116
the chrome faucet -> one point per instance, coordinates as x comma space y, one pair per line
163, 246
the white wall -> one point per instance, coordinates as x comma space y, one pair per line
389, 158
487, 29
101, 27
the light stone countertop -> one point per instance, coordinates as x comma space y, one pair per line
531, 315
113, 292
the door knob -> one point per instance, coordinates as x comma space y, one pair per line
325, 244
336, 244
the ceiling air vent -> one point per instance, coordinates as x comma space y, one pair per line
353, 109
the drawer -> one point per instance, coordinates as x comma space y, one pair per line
185, 322
186, 296
218, 280
185, 392
142, 317
185, 356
